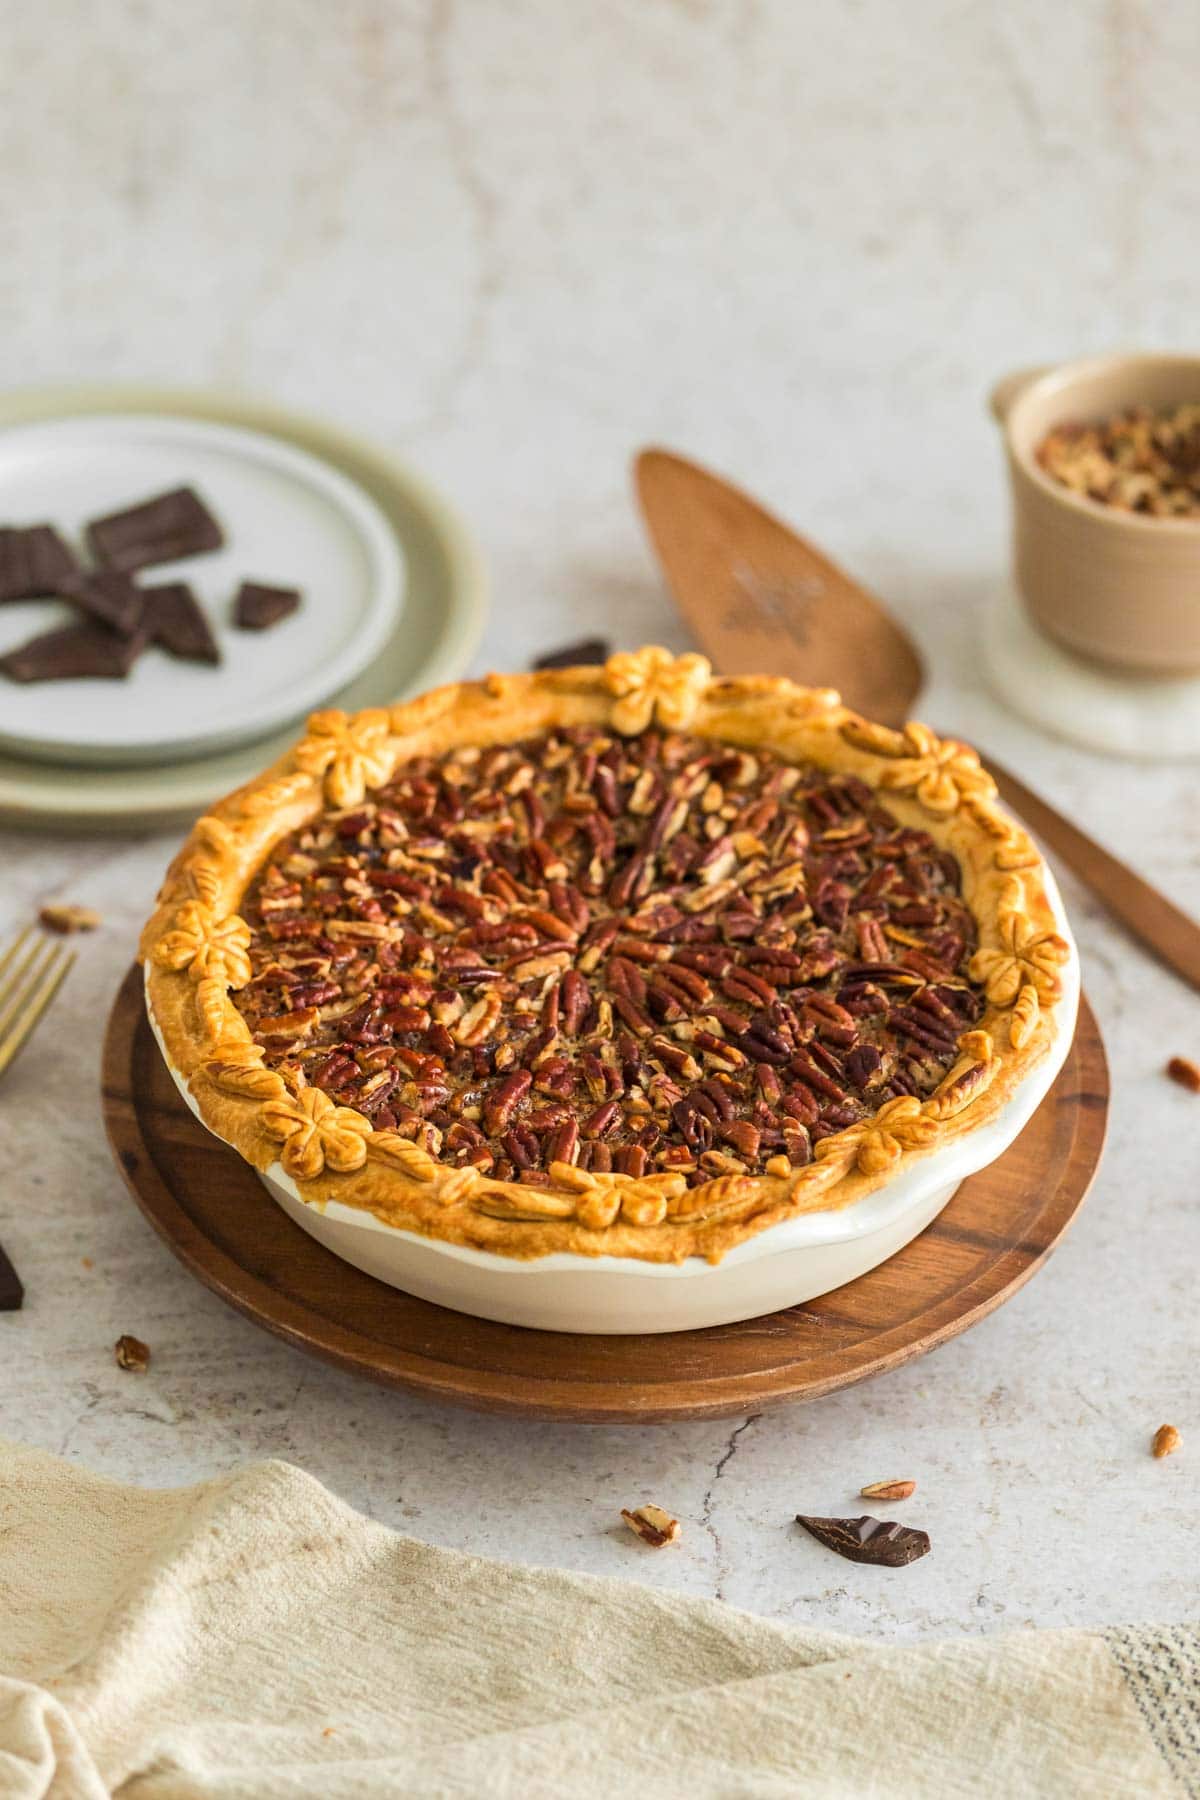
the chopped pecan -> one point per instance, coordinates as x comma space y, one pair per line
1166, 1441
67, 915
652, 1525
888, 1490
132, 1354
1187, 1073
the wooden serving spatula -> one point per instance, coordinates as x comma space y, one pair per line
759, 598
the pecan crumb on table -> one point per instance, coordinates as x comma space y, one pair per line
132, 1354
888, 1490
657, 953
1187, 1073
654, 1526
1137, 461
66, 916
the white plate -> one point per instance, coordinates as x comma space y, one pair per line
290, 520
444, 610
783, 1266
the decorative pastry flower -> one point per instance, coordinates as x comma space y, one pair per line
272, 795
207, 947
899, 1126
642, 1203
248, 1080
459, 1185
1022, 1021
653, 684
970, 1076
409, 1158
317, 1134
879, 740
1015, 849
204, 867
940, 771
351, 753
1025, 956
236, 1066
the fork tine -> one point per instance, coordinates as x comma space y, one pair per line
14, 976
30, 970
53, 975
16, 944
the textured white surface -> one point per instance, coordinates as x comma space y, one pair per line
515, 242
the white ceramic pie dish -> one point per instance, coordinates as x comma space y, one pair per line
782, 1266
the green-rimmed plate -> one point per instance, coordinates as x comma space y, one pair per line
440, 628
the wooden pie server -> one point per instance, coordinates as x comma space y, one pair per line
758, 597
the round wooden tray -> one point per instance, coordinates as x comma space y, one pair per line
223, 1225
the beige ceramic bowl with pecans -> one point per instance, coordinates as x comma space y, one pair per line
613, 999
1116, 585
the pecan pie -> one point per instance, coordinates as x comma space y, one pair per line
619, 960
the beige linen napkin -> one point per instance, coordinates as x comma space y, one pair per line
254, 1637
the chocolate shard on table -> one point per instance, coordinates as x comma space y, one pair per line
173, 619
106, 595
256, 606
33, 561
868, 1540
75, 652
171, 525
12, 1293
570, 656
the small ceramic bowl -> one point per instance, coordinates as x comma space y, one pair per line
1122, 588
783, 1266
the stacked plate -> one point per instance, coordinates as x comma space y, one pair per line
393, 596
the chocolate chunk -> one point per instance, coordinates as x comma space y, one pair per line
159, 530
33, 560
11, 1291
107, 596
173, 619
868, 1540
586, 651
256, 606
73, 652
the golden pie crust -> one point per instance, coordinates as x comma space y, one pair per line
196, 945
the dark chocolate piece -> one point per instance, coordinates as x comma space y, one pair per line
33, 560
256, 606
73, 652
159, 530
11, 1291
586, 652
869, 1540
107, 596
173, 619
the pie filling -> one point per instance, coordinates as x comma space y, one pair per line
633, 954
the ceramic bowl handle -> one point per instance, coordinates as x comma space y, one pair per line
1010, 388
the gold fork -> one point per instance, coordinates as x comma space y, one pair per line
29, 979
